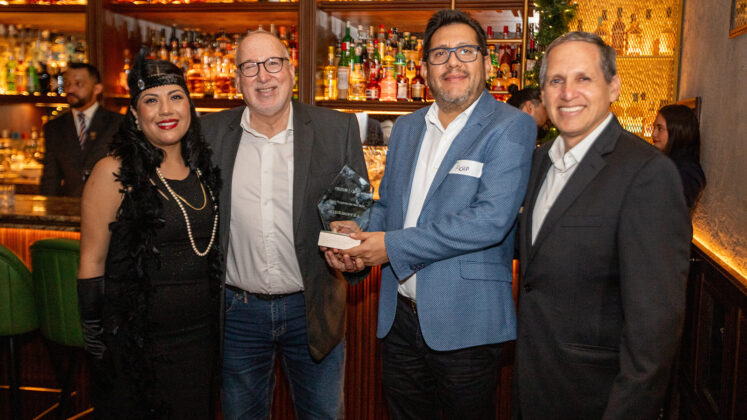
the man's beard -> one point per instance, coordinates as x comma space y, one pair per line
79, 102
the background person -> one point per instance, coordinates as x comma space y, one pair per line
677, 134
76, 140
529, 100
149, 271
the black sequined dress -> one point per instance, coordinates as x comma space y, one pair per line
161, 337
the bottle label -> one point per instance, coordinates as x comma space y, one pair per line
342, 78
372, 94
417, 91
402, 91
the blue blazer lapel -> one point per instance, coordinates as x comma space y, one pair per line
410, 156
462, 141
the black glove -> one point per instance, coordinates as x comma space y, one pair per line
90, 304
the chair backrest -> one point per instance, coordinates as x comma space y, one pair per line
54, 265
17, 307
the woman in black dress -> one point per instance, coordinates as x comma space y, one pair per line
677, 134
148, 277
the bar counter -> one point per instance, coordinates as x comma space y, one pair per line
44, 213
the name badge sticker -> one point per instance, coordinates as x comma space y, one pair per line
467, 167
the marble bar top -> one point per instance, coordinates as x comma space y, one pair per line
41, 212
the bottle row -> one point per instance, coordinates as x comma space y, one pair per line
43, 2
32, 60
208, 60
651, 36
198, 1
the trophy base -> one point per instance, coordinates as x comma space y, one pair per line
336, 240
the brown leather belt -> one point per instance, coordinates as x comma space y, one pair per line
260, 296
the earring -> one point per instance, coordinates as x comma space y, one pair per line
137, 125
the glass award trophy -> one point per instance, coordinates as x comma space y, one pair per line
349, 197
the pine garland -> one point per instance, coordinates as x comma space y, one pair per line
555, 17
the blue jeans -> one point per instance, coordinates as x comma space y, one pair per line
422, 383
256, 331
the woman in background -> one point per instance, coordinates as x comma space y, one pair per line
148, 278
677, 134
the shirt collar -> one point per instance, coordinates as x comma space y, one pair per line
431, 117
88, 112
245, 124
563, 160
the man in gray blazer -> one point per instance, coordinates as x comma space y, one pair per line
277, 159
604, 242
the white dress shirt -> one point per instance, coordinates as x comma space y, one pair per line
564, 164
261, 256
89, 116
436, 142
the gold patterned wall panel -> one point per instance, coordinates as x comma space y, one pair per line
646, 37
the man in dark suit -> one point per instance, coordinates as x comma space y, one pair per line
76, 140
277, 159
604, 253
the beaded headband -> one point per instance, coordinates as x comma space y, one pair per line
138, 82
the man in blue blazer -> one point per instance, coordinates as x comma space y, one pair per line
443, 229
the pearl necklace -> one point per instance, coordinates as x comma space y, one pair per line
186, 218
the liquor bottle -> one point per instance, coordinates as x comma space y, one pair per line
388, 86
330, 76
372, 88
388, 62
516, 63
347, 42
400, 61
506, 34
667, 40
635, 37
163, 50
403, 86
490, 32
517, 34
222, 75
619, 36
357, 89
44, 80
580, 25
602, 31
32, 79
493, 67
10, 76
283, 35
410, 69
650, 46
293, 46
530, 63
505, 62
376, 64
417, 86
195, 78
343, 74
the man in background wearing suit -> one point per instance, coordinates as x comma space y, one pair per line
604, 244
443, 229
76, 140
277, 159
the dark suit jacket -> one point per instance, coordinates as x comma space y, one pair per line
66, 166
323, 142
603, 287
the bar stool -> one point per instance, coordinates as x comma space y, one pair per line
17, 316
54, 272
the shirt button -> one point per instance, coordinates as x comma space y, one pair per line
527, 288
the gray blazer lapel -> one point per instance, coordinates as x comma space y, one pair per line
303, 144
540, 164
229, 146
462, 141
588, 168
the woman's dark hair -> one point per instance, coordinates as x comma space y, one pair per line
683, 131
446, 17
519, 97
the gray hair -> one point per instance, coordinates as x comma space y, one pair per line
259, 31
606, 53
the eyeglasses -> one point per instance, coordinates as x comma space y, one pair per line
464, 53
272, 65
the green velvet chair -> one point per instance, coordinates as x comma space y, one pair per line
55, 274
17, 316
